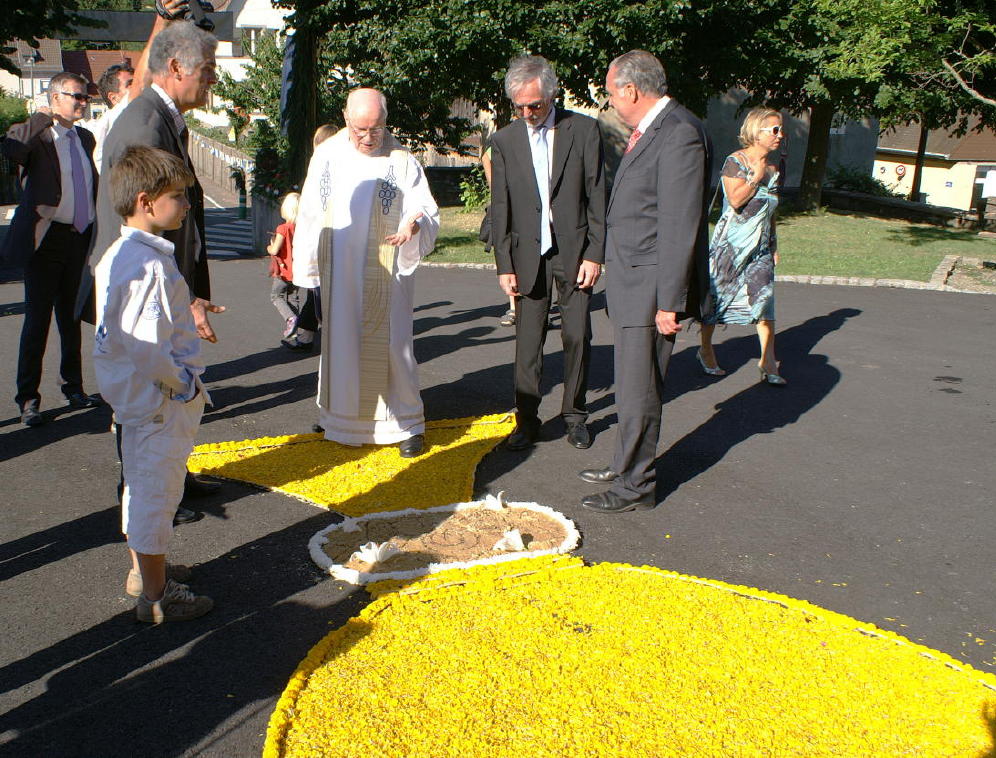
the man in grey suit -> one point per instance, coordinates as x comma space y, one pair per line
49, 236
548, 228
181, 63
656, 253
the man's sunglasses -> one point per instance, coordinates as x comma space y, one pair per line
79, 97
775, 130
529, 106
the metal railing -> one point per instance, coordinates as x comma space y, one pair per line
215, 160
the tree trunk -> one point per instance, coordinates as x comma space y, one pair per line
921, 150
815, 166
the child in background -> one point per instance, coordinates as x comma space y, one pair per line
148, 366
284, 295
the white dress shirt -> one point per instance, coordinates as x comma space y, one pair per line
654, 111
550, 134
102, 127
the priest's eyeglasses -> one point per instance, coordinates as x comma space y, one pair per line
373, 131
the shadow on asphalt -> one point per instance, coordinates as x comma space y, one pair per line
759, 409
61, 422
202, 672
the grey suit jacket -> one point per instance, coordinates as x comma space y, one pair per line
656, 238
147, 121
577, 197
29, 145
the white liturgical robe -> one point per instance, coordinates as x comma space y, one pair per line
368, 390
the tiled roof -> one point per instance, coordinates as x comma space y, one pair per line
973, 146
49, 60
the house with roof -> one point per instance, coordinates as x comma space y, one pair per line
91, 64
954, 168
38, 66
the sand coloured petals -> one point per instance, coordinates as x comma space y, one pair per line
358, 480
548, 657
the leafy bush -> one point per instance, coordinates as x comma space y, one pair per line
474, 191
13, 110
854, 179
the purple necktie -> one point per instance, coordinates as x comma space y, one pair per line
81, 219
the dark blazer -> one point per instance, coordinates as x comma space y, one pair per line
657, 237
29, 145
147, 121
577, 197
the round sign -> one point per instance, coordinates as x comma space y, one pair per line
900, 170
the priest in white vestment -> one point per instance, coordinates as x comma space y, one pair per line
365, 220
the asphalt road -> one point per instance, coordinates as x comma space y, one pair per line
866, 486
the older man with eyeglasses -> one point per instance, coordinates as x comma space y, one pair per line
50, 235
365, 220
548, 227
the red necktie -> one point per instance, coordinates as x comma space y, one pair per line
633, 139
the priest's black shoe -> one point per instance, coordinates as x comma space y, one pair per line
196, 486
598, 475
412, 447
79, 400
578, 435
610, 502
30, 415
186, 516
522, 437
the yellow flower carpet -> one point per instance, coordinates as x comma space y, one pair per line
549, 657
359, 480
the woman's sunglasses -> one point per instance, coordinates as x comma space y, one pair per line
775, 130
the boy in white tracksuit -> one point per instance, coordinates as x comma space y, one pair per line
148, 366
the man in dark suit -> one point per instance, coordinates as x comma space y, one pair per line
50, 235
548, 227
181, 64
656, 253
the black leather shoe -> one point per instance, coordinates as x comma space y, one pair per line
609, 502
30, 415
578, 435
186, 516
197, 486
412, 447
598, 475
317, 429
522, 437
79, 400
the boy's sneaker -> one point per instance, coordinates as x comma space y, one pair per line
133, 585
178, 603
289, 326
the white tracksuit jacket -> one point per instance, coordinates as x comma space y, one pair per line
146, 348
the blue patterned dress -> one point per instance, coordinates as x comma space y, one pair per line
741, 254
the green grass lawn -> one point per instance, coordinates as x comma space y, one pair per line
824, 244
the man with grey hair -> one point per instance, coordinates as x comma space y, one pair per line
365, 220
656, 257
181, 65
548, 230
180, 60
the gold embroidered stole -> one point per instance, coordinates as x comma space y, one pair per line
378, 275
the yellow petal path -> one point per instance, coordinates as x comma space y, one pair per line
548, 657
359, 480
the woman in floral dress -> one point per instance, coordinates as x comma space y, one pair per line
743, 251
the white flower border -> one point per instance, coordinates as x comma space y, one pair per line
571, 540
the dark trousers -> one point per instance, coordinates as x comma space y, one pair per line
531, 321
51, 280
642, 355
310, 315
